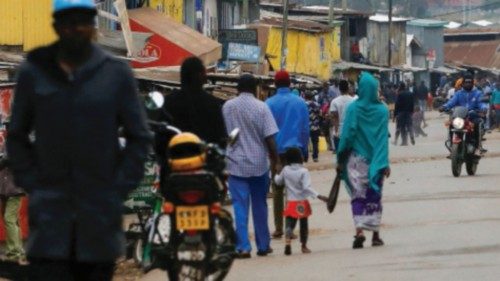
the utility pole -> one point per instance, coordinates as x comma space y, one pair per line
389, 56
284, 33
331, 12
463, 11
245, 12
344, 5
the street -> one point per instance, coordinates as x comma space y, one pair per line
435, 226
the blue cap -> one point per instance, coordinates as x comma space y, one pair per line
61, 5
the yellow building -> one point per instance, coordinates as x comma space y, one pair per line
312, 47
172, 8
26, 23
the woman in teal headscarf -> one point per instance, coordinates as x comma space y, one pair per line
363, 158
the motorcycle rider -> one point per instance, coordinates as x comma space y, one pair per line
469, 97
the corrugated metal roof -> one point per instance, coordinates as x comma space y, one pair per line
385, 18
472, 31
484, 54
307, 26
26, 22
11, 22
427, 23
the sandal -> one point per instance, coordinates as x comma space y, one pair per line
306, 250
358, 242
377, 242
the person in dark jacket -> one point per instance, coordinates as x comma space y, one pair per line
403, 112
422, 93
194, 110
74, 97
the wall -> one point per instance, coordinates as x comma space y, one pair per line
26, 23
378, 40
172, 8
431, 38
308, 53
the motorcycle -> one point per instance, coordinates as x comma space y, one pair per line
462, 143
190, 235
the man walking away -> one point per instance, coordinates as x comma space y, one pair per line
292, 118
422, 93
314, 124
76, 97
248, 166
403, 112
194, 110
338, 108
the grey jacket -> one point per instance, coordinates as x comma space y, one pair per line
73, 170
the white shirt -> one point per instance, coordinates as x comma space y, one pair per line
339, 105
451, 92
297, 181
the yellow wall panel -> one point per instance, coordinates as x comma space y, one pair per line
308, 53
172, 8
37, 20
11, 22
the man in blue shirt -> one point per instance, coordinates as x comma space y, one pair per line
470, 98
292, 117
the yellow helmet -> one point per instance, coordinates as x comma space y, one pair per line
186, 152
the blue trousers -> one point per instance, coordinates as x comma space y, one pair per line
243, 191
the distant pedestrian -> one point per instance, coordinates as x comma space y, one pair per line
495, 102
338, 108
248, 166
314, 124
363, 158
403, 112
297, 180
10, 204
292, 118
417, 120
422, 93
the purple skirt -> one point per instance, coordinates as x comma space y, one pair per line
366, 203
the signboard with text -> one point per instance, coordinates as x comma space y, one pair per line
241, 36
243, 52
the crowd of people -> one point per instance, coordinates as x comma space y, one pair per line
278, 131
75, 97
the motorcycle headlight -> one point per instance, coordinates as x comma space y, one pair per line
458, 123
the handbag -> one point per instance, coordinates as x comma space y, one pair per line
334, 194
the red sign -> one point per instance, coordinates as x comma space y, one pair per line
5, 101
158, 52
431, 55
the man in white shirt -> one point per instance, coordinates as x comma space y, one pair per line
338, 108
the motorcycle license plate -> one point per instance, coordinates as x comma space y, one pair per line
192, 217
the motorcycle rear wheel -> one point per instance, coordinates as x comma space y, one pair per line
456, 162
471, 167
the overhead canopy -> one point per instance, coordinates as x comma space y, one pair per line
444, 69
171, 42
344, 65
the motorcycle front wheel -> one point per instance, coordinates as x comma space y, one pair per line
456, 160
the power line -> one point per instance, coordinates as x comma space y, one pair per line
466, 10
